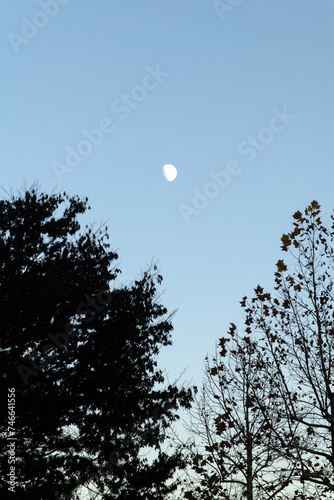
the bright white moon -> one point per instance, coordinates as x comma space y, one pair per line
169, 172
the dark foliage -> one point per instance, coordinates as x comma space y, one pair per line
81, 356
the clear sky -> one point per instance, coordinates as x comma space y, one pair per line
98, 95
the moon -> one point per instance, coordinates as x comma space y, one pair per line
169, 172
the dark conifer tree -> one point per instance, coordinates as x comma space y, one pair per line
81, 356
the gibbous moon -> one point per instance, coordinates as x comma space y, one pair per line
169, 172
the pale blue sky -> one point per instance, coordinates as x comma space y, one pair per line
220, 79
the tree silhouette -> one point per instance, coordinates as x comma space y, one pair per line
296, 327
80, 356
233, 456
266, 415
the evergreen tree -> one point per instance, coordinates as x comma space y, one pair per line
80, 357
